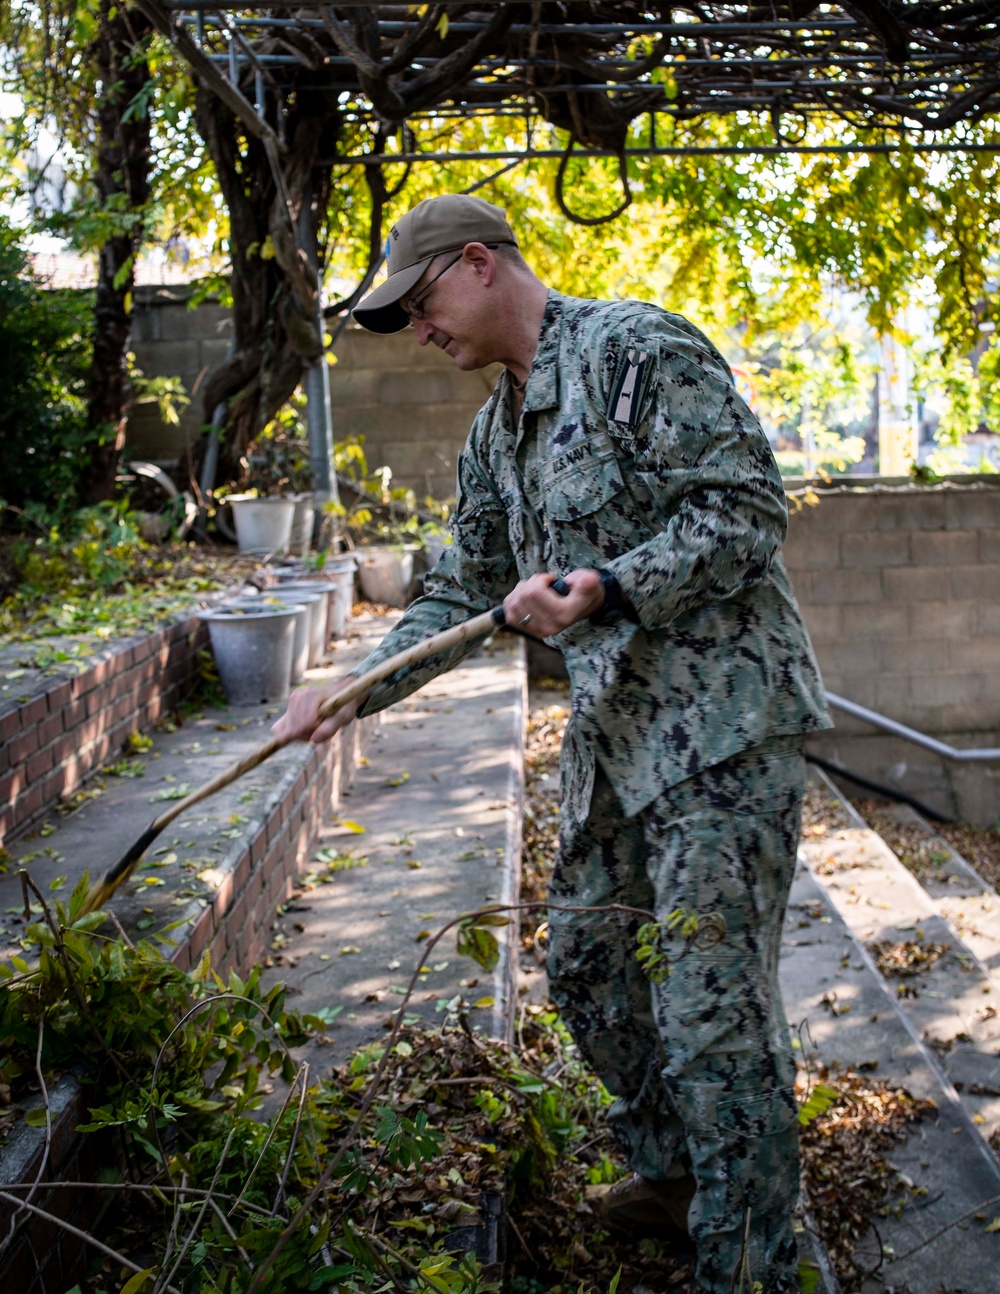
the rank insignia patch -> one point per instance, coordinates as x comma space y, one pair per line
629, 387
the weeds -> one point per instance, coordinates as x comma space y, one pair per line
355, 1182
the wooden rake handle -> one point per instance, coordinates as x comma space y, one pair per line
477, 627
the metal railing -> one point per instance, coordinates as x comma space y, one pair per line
941, 748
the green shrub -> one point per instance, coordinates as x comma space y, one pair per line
44, 364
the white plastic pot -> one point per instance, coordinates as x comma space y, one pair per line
341, 578
253, 649
303, 621
302, 524
262, 525
319, 632
386, 573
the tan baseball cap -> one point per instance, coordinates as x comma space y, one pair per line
436, 225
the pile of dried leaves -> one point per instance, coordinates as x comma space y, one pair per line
922, 853
546, 723
822, 813
526, 1120
849, 1179
903, 960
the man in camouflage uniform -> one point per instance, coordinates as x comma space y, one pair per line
615, 453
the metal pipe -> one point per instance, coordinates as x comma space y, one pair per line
973, 756
319, 407
758, 150
956, 57
689, 30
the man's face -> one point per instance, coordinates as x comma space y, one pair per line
447, 308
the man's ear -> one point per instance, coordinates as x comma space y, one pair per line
482, 260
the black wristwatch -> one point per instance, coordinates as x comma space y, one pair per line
614, 608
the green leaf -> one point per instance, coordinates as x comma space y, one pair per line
135, 1284
171, 793
36, 1118
480, 945
80, 892
817, 1103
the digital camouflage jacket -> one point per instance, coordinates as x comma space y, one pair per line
633, 452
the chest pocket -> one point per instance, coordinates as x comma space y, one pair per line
592, 516
582, 489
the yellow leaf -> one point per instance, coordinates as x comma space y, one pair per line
349, 948
993, 1226
414, 864
442, 27
348, 825
483, 1002
135, 1283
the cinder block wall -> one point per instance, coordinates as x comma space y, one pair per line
411, 404
900, 588
170, 340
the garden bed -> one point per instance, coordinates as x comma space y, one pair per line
80, 674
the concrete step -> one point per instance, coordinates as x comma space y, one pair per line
968, 903
848, 1017
944, 991
855, 908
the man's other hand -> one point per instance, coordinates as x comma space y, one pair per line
547, 611
301, 721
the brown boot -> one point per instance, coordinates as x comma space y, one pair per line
639, 1205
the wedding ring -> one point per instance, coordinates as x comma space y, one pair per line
525, 619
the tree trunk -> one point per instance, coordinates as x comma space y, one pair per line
274, 287
123, 165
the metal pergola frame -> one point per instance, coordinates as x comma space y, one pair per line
917, 68
798, 78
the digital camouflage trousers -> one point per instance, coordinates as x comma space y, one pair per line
700, 1065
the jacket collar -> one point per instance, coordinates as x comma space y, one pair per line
542, 388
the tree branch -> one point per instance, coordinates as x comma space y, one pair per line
209, 73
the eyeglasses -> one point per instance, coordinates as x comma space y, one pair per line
415, 310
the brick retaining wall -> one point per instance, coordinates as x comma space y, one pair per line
259, 872
43, 1257
68, 727
262, 868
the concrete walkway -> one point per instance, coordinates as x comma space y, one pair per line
440, 803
